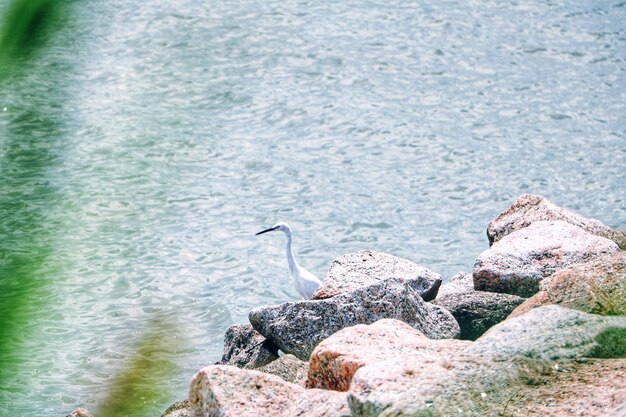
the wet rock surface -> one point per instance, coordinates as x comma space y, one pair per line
597, 287
530, 208
477, 311
519, 261
363, 268
298, 327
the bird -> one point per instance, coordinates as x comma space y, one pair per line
305, 282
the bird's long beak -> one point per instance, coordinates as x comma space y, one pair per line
266, 230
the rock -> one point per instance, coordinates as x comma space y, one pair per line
530, 208
363, 268
589, 388
519, 261
460, 283
597, 287
244, 347
477, 311
320, 403
517, 388
462, 385
80, 412
298, 327
289, 368
553, 332
178, 409
227, 391
335, 360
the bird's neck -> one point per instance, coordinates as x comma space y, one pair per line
291, 259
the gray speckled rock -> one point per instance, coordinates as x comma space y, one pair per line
529, 208
519, 261
477, 311
553, 332
298, 327
460, 283
227, 391
363, 268
288, 367
244, 347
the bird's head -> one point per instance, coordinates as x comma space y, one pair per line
281, 226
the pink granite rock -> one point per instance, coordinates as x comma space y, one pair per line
593, 287
335, 360
363, 268
519, 261
530, 208
227, 391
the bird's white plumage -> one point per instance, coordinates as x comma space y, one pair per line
305, 282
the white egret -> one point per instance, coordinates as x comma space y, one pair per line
306, 283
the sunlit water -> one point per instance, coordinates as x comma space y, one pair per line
152, 139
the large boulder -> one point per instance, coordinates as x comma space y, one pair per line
289, 368
597, 287
477, 311
227, 391
298, 327
335, 360
519, 261
516, 387
504, 366
530, 208
244, 347
436, 385
363, 268
553, 332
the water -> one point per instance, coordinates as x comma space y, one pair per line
150, 141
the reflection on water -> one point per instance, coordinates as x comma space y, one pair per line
151, 141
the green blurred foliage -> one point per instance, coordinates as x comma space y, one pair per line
142, 384
25, 27
26, 238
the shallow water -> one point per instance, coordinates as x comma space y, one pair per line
149, 142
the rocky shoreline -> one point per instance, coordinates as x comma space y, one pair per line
537, 329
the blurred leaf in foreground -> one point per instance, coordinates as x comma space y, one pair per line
25, 26
142, 385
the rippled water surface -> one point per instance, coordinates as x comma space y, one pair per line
150, 140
